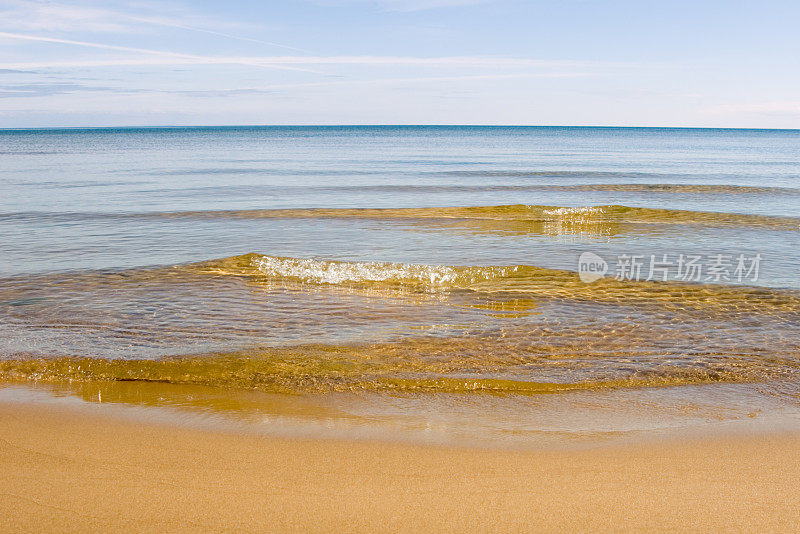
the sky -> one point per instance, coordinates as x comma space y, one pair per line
700, 63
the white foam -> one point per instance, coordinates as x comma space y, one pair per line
571, 212
333, 272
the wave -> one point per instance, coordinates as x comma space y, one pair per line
260, 171
515, 173
519, 280
679, 188
615, 175
518, 213
419, 328
707, 189
305, 274
402, 367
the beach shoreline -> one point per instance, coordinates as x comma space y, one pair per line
67, 468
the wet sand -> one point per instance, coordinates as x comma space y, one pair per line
64, 469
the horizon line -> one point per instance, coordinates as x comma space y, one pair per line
387, 125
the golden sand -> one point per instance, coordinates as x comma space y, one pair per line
65, 470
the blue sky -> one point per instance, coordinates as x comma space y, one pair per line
629, 63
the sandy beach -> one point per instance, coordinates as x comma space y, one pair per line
65, 469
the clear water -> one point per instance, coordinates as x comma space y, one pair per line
112, 242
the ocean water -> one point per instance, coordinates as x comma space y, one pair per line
412, 275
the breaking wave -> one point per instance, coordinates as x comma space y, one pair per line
333, 272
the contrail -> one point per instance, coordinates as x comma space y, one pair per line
147, 51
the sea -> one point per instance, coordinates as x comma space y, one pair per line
445, 284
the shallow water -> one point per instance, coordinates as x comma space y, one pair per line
581, 419
430, 263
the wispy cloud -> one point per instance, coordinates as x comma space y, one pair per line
39, 16
162, 53
173, 58
48, 89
